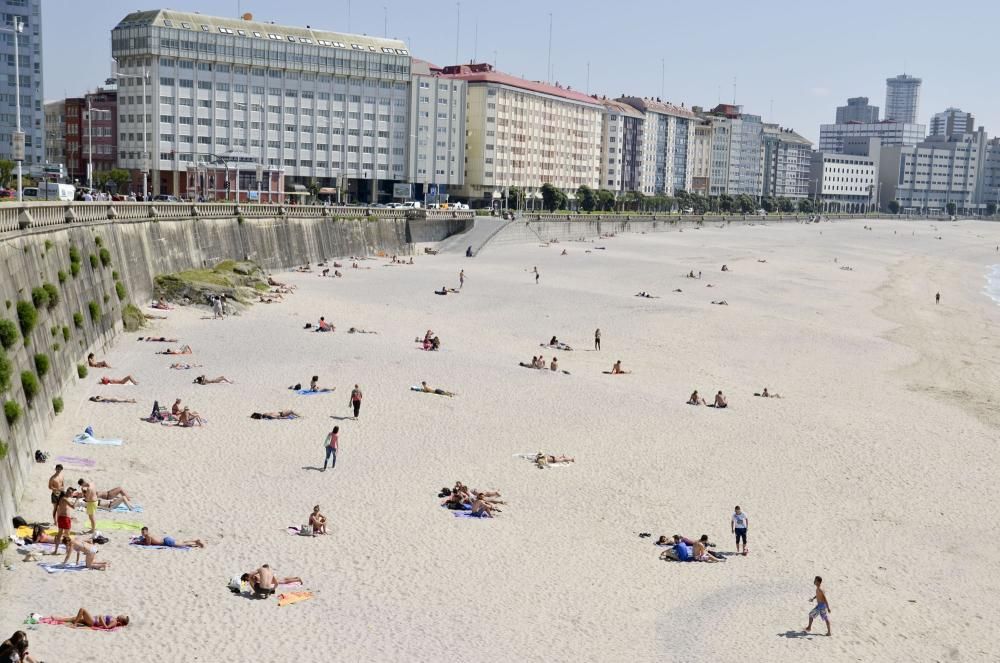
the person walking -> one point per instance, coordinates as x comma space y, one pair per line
461, 279
822, 606
332, 444
738, 526
937, 298
356, 400
597, 339
536, 276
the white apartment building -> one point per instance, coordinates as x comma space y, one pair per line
436, 154
902, 98
843, 182
787, 162
317, 104
525, 134
29, 14
668, 133
55, 131
938, 171
700, 150
621, 147
737, 152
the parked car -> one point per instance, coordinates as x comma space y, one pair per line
410, 204
164, 198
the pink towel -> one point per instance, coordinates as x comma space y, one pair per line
55, 622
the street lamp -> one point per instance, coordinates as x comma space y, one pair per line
145, 154
17, 140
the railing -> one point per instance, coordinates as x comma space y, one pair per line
19, 216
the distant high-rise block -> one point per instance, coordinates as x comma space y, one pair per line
952, 121
857, 110
902, 98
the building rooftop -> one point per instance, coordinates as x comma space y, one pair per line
653, 105
619, 107
484, 73
247, 27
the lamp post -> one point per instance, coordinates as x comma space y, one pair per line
17, 140
145, 155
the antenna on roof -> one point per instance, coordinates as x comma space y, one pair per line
475, 40
588, 76
458, 27
548, 70
663, 75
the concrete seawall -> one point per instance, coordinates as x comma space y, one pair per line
125, 256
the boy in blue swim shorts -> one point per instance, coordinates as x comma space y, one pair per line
822, 606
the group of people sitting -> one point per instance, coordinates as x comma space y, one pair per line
683, 549
180, 416
480, 503
697, 399
430, 342
539, 363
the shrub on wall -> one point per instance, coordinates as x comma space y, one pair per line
81, 371
3, 449
78, 319
30, 385
57, 404
27, 316
8, 334
65, 333
53, 294
95, 310
74, 254
120, 290
42, 364
12, 412
6, 370
93, 261
48, 244
114, 275
98, 241
132, 318
39, 297
74, 268
105, 257
62, 276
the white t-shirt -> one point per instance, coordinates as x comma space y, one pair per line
740, 520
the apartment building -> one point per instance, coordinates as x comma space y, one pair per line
902, 98
668, 134
621, 147
843, 182
55, 131
857, 111
832, 137
938, 171
786, 163
952, 121
436, 141
29, 14
313, 104
526, 133
68, 126
700, 150
737, 152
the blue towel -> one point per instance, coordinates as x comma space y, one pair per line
84, 438
466, 514
311, 392
61, 568
121, 508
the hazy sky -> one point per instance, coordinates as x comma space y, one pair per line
800, 57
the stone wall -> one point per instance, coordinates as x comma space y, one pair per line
126, 255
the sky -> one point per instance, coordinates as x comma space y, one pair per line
793, 61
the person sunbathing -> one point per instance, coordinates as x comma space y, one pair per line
162, 305
646, 295
317, 521
533, 364
74, 544
720, 400
543, 459
324, 326
442, 291
280, 414
267, 300
721, 302
110, 494
765, 394
93, 363
440, 392
104, 399
84, 618
187, 418
201, 379
183, 350
161, 339
128, 379
695, 399
618, 370
39, 535
357, 330
701, 553
184, 367
147, 539
483, 509
271, 281
264, 581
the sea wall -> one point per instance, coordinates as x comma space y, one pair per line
84, 274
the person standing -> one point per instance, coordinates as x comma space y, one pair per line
356, 400
56, 488
739, 525
937, 298
822, 606
597, 339
332, 444
461, 279
90, 500
536, 276
63, 520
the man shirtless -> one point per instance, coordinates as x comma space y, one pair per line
720, 400
618, 370
116, 494
429, 390
822, 606
63, 520
147, 539
93, 363
264, 582
106, 399
128, 379
56, 488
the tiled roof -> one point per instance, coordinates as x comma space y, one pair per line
484, 73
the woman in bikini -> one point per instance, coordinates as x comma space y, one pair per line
93, 363
317, 521
184, 350
128, 379
201, 379
84, 618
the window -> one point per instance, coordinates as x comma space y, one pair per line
165, 80
204, 122
204, 85
167, 119
204, 140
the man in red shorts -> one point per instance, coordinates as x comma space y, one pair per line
63, 520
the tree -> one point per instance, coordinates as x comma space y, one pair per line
745, 203
769, 204
550, 200
605, 200
119, 177
725, 202
805, 206
313, 189
950, 208
697, 202
585, 198
893, 207
515, 197
6, 170
634, 200
991, 209
786, 205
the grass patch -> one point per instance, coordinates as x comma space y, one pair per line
74, 269
11, 412
6, 370
74, 254
95, 310
48, 244
62, 276
27, 317
29, 383
8, 333
132, 318
81, 371
39, 297
237, 280
41, 364
57, 404
120, 290
93, 261
66, 333
78, 319
105, 257
53, 292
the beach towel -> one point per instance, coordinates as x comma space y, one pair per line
468, 514
53, 622
26, 548
119, 525
85, 438
76, 460
288, 598
133, 541
121, 508
313, 392
61, 568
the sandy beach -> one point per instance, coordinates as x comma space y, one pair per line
876, 470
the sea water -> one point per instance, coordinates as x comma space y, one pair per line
992, 289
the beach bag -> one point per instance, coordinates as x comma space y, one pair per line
41, 456
306, 530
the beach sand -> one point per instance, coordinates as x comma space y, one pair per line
877, 470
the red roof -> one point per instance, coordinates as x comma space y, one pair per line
484, 73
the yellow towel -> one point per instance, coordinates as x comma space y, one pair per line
289, 598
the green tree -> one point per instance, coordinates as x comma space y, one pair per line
806, 206
950, 208
586, 198
550, 199
893, 207
786, 205
991, 209
605, 200
313, 189
120, 178
769, 204
515, 197
745, 203
726, 203
6, 170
